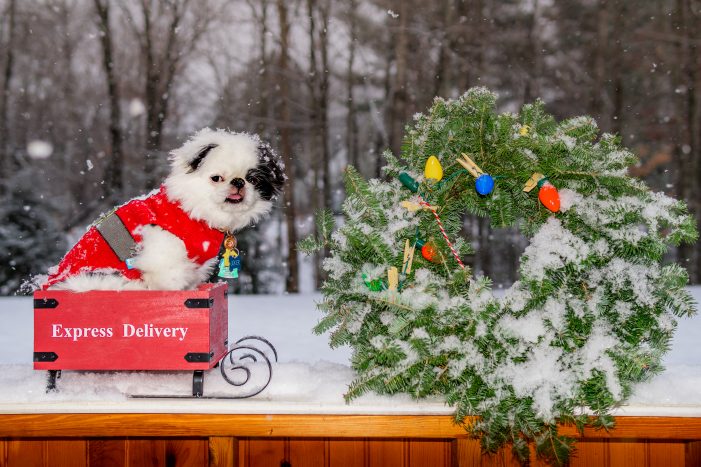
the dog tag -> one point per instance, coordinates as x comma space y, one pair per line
231, 271
230, 262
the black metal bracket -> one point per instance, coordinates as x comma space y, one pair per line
45, 356
45, 303
199, 302
194, 357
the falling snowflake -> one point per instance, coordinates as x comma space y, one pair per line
38, 149
136, 107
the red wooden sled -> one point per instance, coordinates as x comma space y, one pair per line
133, 330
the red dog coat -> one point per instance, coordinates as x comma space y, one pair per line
93, 253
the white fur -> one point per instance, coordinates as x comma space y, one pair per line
202, 199
98, 280
162, 259
161, 256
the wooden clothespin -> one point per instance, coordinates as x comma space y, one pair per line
392, 278
469, 165
533, 182
411, 206
409, 250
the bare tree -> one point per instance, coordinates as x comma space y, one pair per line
617, 70
9, 159
534, 49
325, 7
292, 280
600, 59
399, 89
164, 45
113, 172
443, 65
685, 23
351, 124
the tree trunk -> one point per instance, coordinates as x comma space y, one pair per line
688, 150
534, 70
617, 68
323, 101
443, 76
160, 74
113, 173
292, 282
9, 162
264, 83
351, 125
399, 92
263, 87
598, 101
318, 165
384, 139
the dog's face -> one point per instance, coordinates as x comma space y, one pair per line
228, 180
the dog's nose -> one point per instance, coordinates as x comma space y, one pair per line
238, 183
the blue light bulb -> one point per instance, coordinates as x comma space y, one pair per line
484, 184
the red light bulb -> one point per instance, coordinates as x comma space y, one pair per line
549, 196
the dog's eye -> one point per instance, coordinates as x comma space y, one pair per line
217, 178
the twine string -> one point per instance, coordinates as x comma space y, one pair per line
423, 203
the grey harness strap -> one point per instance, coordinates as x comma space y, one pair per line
116, 235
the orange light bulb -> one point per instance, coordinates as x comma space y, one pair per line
430, 252
549, 196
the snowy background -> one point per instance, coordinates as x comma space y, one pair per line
309, 377
85, 124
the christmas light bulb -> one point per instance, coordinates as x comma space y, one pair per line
409, 182
430, 252
484, 184
374, 285
433, 169
549, 196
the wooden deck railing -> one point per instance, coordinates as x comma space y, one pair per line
314, 440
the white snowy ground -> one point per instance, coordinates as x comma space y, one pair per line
309, 377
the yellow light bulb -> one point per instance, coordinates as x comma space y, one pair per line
433, 168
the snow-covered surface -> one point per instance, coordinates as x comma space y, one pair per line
309, 377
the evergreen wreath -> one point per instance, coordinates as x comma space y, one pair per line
591, 314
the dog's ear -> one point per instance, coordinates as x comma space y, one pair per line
269, 175
196, 161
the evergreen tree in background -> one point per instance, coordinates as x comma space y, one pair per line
591, 314
29, 235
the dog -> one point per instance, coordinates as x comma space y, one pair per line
219, 183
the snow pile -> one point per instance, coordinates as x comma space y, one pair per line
310, 376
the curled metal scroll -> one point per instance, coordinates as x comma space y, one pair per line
236, 366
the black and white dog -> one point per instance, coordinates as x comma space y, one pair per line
220, 182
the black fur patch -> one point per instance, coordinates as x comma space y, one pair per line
268, 176
197, 161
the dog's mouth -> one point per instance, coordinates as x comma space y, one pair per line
235, 197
